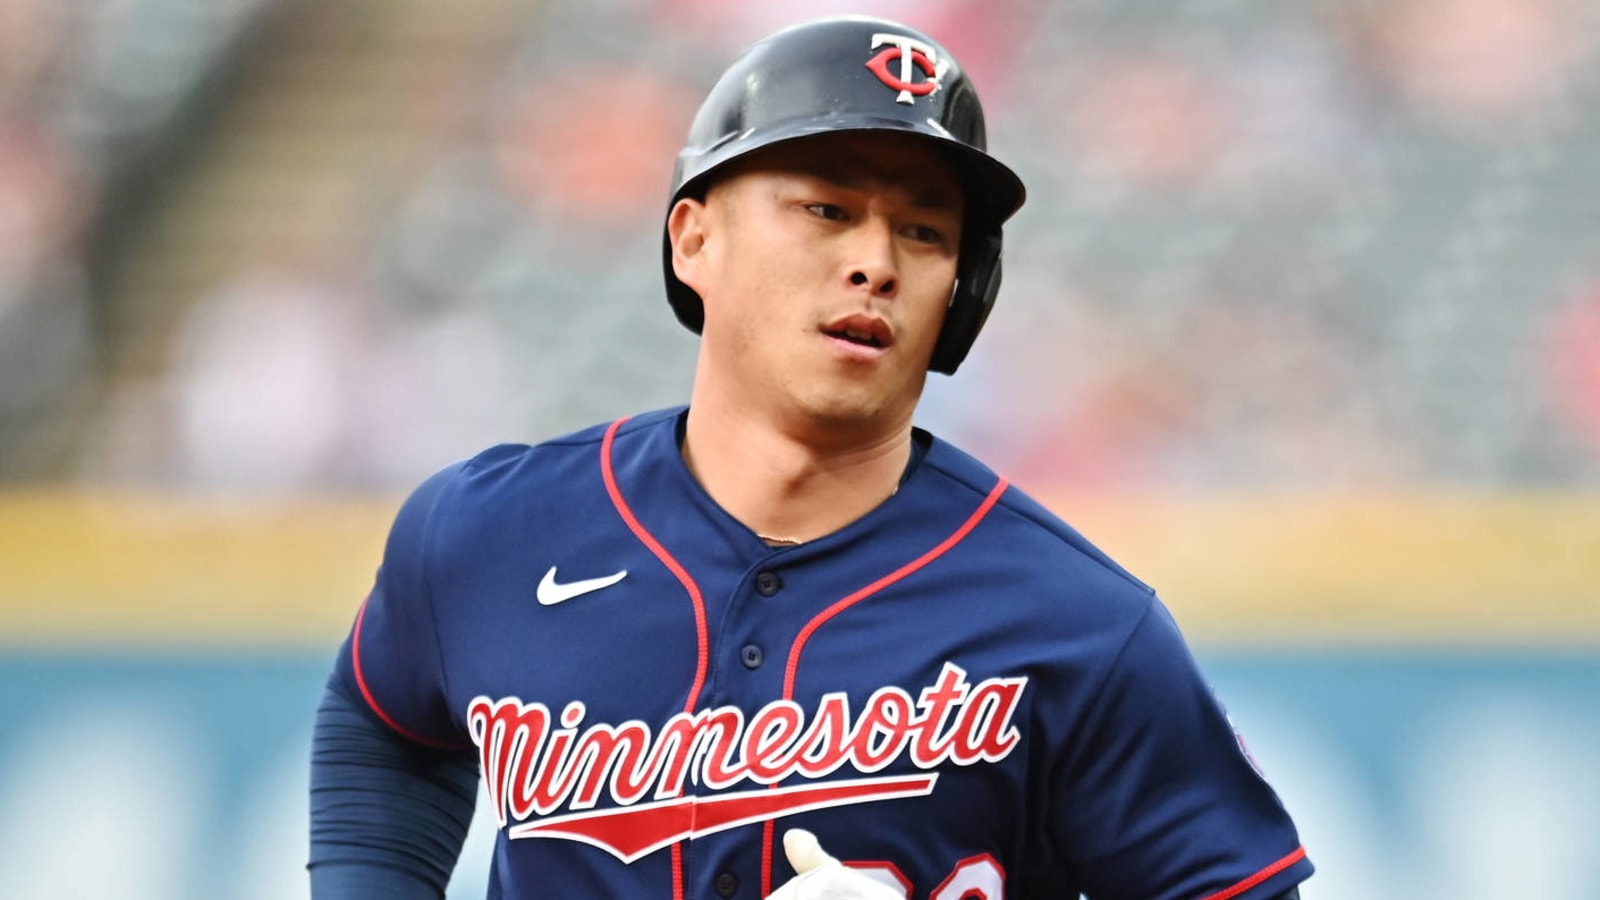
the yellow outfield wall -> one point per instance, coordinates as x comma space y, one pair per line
84, 568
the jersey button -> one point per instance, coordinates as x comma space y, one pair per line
751, 656
727, 884
768, 583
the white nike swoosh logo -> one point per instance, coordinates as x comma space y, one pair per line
550, 593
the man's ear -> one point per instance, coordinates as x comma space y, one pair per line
687, 229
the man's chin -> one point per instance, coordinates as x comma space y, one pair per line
852, 409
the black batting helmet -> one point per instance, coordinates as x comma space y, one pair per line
854, 74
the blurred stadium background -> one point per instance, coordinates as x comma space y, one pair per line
1301, 322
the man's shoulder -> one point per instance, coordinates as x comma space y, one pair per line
1031, 529
583, 444
513, 471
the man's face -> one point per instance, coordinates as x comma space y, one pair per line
825, 267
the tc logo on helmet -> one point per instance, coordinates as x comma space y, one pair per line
911, 53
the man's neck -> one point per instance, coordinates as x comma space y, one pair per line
791, 487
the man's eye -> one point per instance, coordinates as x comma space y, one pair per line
926, 234
827, 211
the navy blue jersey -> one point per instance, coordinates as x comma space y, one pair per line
956, 693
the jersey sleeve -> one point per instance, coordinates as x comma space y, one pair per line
391, 660
1160, 800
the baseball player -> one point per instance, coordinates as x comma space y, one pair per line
781, 643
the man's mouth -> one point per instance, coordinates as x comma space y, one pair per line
855, 336
861, 330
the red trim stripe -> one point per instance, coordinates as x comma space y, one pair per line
817, 622
666, 558
1245, 885
366, 692
677, 870
767, 829
910, 567
695, 597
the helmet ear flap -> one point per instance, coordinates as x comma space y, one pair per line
977, 285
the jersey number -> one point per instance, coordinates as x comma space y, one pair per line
974, 878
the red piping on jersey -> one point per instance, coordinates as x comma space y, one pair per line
1245, 885
366, 692
766, 856
667, 560
839, 607
695, 597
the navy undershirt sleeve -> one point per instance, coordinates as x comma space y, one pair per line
388, 816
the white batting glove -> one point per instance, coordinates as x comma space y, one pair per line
821, 877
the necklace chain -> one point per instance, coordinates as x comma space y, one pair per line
775, 541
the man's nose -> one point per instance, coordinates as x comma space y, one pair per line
872, 259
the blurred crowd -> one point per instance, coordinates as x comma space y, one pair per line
1320, 243
95, 96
